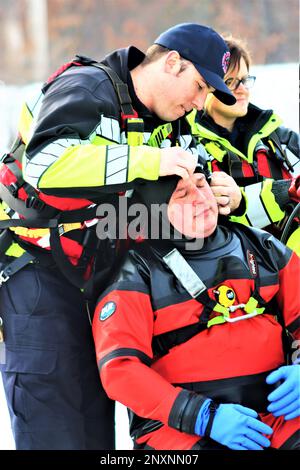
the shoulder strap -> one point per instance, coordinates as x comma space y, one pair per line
278, 151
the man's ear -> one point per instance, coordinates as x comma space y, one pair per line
172, 62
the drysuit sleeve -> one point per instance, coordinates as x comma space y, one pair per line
123, 331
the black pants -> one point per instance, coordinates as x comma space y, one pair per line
50, 375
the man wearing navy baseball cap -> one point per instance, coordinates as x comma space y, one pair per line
184, 64
207, 51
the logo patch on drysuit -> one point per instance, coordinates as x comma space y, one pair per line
225, 295
107, 310
252, 263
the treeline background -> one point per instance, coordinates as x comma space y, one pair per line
37, 36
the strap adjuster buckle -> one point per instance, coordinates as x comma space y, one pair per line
34, 203
14, 188
3, 277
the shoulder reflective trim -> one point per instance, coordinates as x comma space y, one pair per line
273, 123
256, 212
34, 167
121, 352
220, 141
215, 151
190, 118
184, 273
109, 128
25, 123
116, 164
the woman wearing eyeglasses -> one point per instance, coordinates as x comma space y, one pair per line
250, 144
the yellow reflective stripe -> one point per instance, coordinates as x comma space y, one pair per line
273, 209
192, 123
204, 133
294, 241
214, 150
29, 232
135, 138
241, 219
144, 162
79, 166
98, 140
3, 214
159, 134
25, 121
15, 250
42, 232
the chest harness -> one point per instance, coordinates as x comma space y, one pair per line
213, 312
20, 197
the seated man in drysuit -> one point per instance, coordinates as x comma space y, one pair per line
191, 334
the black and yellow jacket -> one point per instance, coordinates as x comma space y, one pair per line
78, 152
259, 154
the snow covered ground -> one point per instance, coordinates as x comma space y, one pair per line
276, 87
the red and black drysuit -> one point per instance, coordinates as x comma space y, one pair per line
227, 362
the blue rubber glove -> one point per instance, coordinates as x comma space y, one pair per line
234, 426
285, 400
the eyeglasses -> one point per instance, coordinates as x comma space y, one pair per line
234, 83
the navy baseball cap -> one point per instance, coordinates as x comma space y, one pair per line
205, 48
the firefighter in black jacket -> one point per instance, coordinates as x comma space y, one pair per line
92, 133
189, 334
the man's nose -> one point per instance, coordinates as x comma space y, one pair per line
199, 100
197, 196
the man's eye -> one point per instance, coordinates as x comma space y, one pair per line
200, 87
180, 192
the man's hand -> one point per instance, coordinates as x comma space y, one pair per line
226, 192
176, 161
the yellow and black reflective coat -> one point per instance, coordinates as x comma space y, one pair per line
77, 151
259, 154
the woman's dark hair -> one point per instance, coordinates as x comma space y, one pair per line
238, 50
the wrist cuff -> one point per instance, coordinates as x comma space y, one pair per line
185, 410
